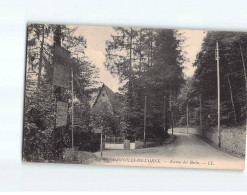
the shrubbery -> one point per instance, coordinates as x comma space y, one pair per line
80, 157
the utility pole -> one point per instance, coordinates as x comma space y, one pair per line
101, 145
218, 84
187, 111
145, 113
72, 107
200, 100
164, 112
171, 111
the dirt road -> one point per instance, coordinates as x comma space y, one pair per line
187, 151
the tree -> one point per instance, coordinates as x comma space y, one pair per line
232, 77
150, 63
40, 92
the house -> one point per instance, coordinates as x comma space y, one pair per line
108, 98
107, 111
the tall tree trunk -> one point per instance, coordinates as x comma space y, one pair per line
195, 116
130, 64
164, 113
41, 56
140, 59
148, 57
151, 48
233, 105
130, 90
245, 77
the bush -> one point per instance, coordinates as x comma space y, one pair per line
78, 157
37, 144
95, 142
83, 140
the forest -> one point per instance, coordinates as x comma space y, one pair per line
201, 88
149, 63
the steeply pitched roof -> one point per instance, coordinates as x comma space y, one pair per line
116, 105
110, 93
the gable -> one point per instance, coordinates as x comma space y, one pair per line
108, 97
103, 98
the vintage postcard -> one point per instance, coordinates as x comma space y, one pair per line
131, 96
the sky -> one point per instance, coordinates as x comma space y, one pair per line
96, 37
191, 46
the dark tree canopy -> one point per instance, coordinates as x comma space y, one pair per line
149, 62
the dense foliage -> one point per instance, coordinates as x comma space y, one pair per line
41, 141
148, 63
232, 59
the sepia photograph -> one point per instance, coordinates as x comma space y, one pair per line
135, 96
